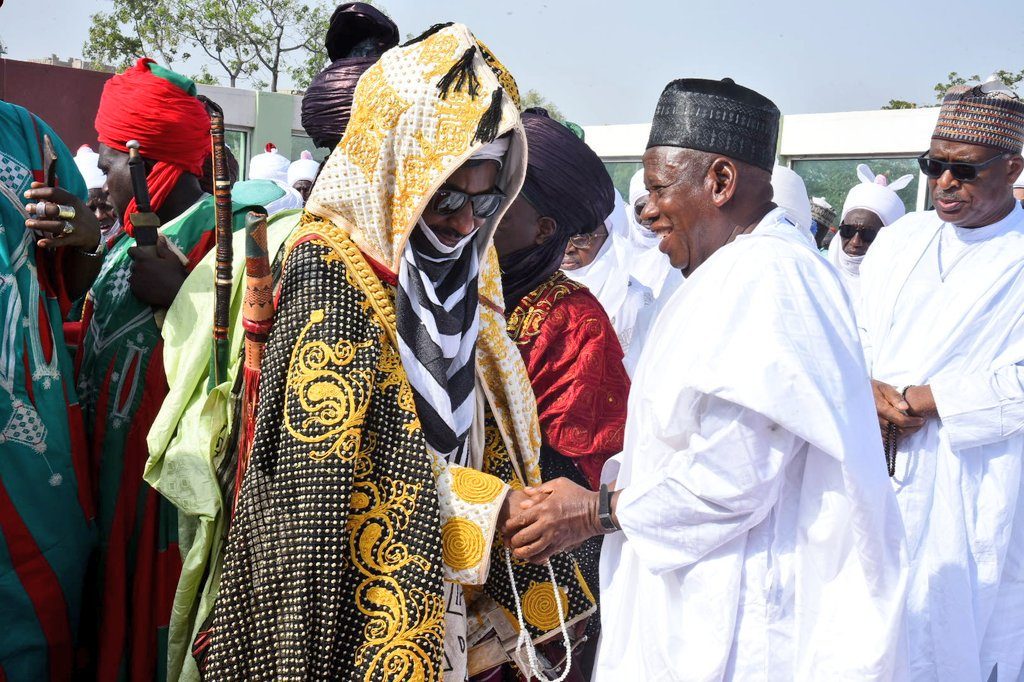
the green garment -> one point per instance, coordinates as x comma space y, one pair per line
185, 437
46, 531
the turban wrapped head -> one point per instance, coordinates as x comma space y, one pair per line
305, 168
791, 195
719, 117
358, 35
876, 194
270, 165
88, 165
158, 108
989, 114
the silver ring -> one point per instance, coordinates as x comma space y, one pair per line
68, 229
65, 212
40, 210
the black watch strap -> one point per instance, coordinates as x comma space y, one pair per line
604, 510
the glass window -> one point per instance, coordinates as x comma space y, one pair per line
238, 142
833, 178
622, 172
301, 143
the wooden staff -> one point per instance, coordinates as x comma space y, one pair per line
222, 197
144, 220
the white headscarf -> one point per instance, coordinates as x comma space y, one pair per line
876, 194
1019, 182
607, 276
290, 199
791, 195
88, 165
305, 168
269, 165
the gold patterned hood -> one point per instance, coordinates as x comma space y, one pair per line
418, 114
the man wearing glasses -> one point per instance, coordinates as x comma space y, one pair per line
871, 205
942, 316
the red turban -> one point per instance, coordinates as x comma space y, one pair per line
163, 114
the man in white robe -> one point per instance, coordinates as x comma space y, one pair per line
751, 533
943, 324
871, 205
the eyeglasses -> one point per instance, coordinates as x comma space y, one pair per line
585, 241
867, 234
638, 207
964, 172
449, 201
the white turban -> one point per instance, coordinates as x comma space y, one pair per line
493, 151
1019, 183
305, 168
88, 165
876, 194
791, 195
269, 166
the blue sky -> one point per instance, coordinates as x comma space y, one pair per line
606, 62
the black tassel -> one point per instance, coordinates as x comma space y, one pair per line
460, 75
487, 130
426, 34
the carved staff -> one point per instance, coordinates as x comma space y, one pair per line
257, 316
145, 221
222, 198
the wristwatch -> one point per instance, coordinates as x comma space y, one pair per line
604, 510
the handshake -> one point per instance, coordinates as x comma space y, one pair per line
540, 522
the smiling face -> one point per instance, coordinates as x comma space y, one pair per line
982, 201
472, 177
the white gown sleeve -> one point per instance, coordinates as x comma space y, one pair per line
722, 483
982, 408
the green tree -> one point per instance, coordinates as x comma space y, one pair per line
132, 29
532, 99
279, 29
215, 27
899, 104
1010, 78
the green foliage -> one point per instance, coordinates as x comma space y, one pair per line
204, 77
1010, 78
899, 104
532, 99
834, 178
252, 40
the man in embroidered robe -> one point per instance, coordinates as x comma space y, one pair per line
46, 507
759, 537
395, 419
121, 376
193, 451
942, 297
571, 351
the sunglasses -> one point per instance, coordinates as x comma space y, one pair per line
638, 207
449, 201
964, 172
867, 234
585, 241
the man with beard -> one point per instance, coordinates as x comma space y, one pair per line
942, 297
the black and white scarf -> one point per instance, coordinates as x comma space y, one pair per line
438, 321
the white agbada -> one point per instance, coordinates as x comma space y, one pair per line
944, 306
761, 537
629, 304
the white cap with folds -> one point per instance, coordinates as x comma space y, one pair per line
790, 193
876, 194
305, 168
88, 165
269, 165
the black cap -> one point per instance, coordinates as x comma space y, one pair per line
719, 117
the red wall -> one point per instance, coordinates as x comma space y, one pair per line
65, 98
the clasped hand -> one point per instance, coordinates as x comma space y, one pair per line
553, 517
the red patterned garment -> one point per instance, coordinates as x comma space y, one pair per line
575, 365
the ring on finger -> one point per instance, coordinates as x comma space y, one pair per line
65, 212
39, 209
68, 229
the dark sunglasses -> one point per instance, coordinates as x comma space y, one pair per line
638, 207
867, 234
964, 172
585, 241
449, 201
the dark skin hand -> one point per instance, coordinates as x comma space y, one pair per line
156, 278
558, 515
79, 270
891, 407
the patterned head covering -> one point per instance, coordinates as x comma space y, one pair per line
419, 113
822, 212
719, 117
989, 114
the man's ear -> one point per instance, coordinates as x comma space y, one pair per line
722, 175
546, 227
1016, 167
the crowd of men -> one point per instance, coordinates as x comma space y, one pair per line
474, 415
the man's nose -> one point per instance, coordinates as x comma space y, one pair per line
946, 180
462, 221
857, 241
